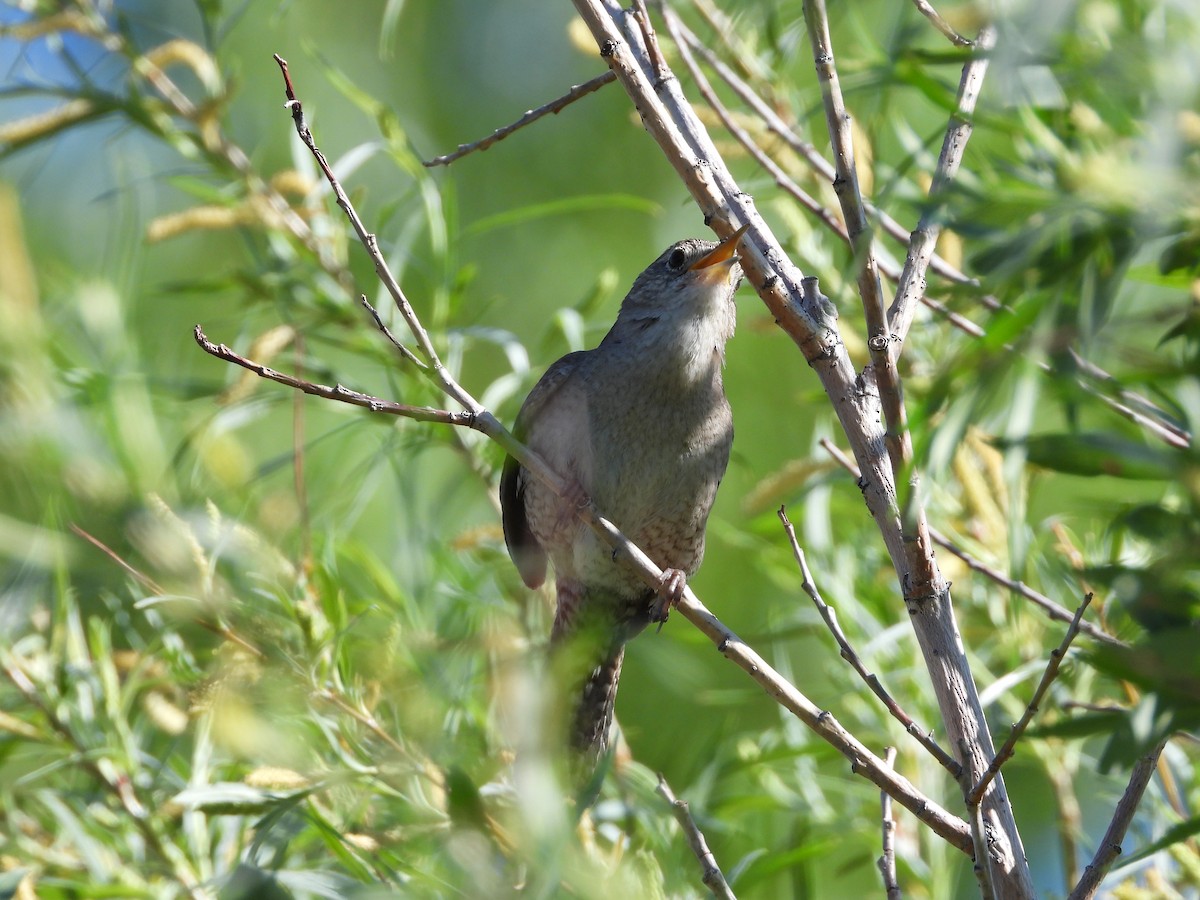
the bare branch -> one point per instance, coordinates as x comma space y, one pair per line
940, 24
1110, 845
554, 107
642, 16
711, 875
849, 195
337, 392
923, 242
1052, 667
848, 653
1132, 406
387, 333
887, 860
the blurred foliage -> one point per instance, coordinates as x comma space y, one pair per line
255, 645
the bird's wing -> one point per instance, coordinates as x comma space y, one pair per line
523, 547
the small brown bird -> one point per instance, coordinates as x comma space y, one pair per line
640, 425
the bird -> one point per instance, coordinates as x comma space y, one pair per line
640, 425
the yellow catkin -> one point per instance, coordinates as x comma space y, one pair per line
39, 125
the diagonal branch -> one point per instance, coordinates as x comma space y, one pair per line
554, 107
924, 240
848, 653
711, 875
935, 18
1057, 655
336, 392
1110, 845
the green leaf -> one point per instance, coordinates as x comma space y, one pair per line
562, 207
1096, 454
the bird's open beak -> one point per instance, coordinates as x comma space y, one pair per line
723, 252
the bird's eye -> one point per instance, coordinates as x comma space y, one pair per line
676, 260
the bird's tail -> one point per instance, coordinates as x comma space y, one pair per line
593, 714
590, 636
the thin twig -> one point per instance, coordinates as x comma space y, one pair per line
408, 355
940, 24
1161, 424
924, 239
887, 860
370, 243
1057, 655
554, 107
979, 867
337, 392
369, 722
642, 16
1054, 610
1110, 845
849, 194
712, 876
112, 554
829, 614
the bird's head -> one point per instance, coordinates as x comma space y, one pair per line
692, 279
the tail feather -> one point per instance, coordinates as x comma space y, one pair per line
593, 628
594, 710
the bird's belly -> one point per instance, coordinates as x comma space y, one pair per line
658, 489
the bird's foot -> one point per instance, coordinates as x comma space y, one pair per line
668, 595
